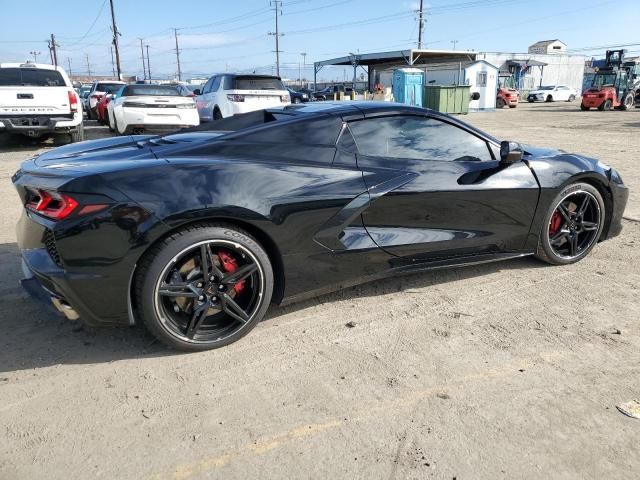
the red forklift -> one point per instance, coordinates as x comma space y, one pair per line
614, 85
507, 93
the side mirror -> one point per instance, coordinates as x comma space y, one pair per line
197, 92
510, 152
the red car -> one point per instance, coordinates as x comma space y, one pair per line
101, 109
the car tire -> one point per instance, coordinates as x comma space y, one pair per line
91, 114
549, 98
500, 103
513, 106
584, 108
169, 317
565, 223
217, 114
571, 98
606, 106
530, 100
628, 102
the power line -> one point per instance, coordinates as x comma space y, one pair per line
93, 24
420, 25
277, 4
115, 39
175, 32
144, 68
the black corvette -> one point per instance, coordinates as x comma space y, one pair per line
196, 233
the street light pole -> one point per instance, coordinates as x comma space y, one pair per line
35, 56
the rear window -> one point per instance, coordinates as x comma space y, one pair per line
108, 87
136, 90
254, 83
31, 77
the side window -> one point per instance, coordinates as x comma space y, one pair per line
228, 83
420, 138
216, 84
207, 86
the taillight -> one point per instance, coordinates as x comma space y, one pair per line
73, 101
58, 206
235, 98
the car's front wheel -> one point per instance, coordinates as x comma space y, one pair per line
204, 287
572, 225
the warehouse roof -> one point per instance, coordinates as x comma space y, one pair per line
410, 57
546, 43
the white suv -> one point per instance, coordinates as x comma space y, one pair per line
225, 95
98, 90
38, 100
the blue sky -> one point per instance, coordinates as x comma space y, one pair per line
220, 35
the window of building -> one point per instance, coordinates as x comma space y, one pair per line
481, 79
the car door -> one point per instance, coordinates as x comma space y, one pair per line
562, 93
438, 190
203, 102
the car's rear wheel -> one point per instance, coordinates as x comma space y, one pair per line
583, 107
572, 225
204, 287
500, 103
217, 114
549, 98
571, 98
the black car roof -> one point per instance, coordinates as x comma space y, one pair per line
365, 109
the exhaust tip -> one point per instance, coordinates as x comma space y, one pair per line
63, 307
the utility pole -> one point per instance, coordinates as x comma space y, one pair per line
113, 64
148, 64
35, 56
52, 51
69, 62
277, 4
304, 63
115, 39
175, 31
420, 24
454, 42
144, 67
88, 65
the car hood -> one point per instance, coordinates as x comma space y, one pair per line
537, 92
543, 152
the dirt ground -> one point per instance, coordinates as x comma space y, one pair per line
506, 370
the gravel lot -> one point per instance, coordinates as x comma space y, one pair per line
506, 370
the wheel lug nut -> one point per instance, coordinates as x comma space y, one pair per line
200, 298
176, 308
214, 299
199, 285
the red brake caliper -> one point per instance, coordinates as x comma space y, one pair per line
555, 223
229, 264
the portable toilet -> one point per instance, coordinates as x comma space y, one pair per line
407, 86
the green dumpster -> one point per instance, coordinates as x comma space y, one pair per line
447, 98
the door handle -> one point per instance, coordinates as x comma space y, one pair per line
25, 96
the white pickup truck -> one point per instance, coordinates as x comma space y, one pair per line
38, 101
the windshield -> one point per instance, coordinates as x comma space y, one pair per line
108, 87
13, 77
257, 83
604, 79
506, 82
548, 87
156, 90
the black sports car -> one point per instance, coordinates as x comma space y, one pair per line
196, 233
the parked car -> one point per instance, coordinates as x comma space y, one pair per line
38, 100
225, 95
298, 97
98, 89
85, 101
144, 108
313, 95
195, 234
552, 93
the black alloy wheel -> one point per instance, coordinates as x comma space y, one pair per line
204, 287
573, 225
